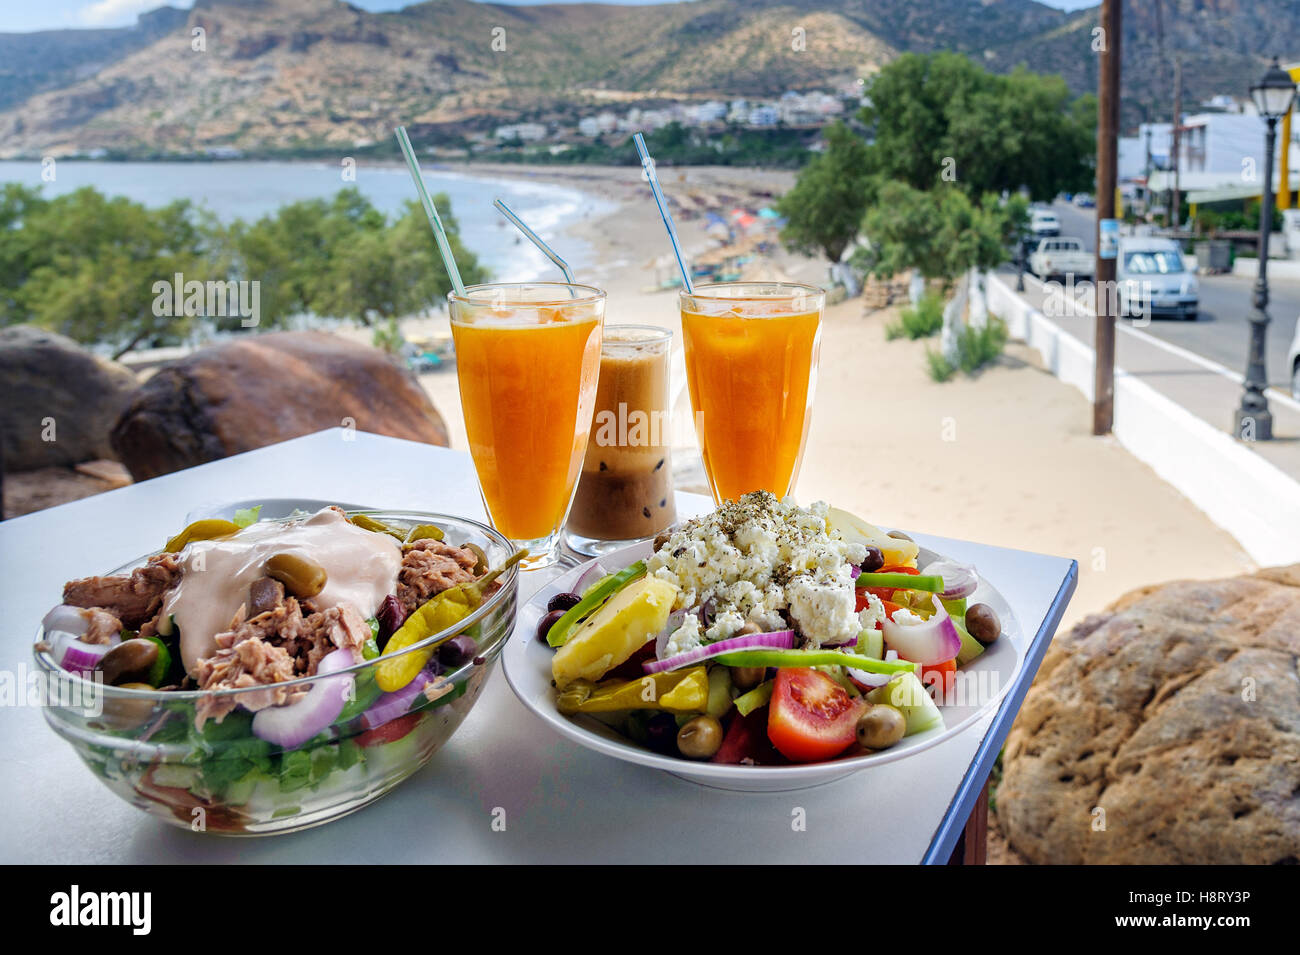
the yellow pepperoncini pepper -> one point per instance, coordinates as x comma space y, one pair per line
440, 612
678, 691
206, 529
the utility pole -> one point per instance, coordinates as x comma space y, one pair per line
1105, 295
1177, 131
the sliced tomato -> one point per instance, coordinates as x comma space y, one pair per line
899, 569
389, 732
811, 717
884, 593
936, 679
744, 739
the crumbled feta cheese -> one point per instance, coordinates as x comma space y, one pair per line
873, 613
759, 560
725, 625
686, 637
823, 610
906, 618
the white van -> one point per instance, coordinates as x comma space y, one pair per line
1154, 279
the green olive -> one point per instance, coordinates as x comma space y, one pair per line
301, 576
881, 726
423, 532
982, 623
125, 713
128, 662
746, 678
699, 738
481, 565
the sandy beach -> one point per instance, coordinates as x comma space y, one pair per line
1004, 458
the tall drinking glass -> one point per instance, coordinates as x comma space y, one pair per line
751, 365
527, 359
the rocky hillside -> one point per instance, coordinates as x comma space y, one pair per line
267, 75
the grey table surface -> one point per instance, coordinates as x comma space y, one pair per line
559, 802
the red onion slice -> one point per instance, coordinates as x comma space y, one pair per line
593, 573
292, 725
776, 640
874, 679
959, 580
675, 620
928, 643
79, 657
389, 706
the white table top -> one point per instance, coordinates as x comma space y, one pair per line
562, 803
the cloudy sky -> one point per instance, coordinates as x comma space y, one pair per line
23, 15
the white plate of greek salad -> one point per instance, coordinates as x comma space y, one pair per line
765, 647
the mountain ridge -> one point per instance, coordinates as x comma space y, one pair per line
284, 75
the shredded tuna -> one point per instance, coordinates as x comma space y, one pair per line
134, 600
271, 648
429, 567
102, 626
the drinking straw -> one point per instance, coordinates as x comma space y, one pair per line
430, 210
648, 165
535, 239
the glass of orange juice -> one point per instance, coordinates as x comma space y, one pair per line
751, 367
527, 359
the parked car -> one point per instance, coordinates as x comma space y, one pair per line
1061, 256
1084, 201
1154, 279
1044, 222
1293, 361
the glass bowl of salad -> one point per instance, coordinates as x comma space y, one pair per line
279, 756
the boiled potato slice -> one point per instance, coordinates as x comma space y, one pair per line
897, 553
614, 632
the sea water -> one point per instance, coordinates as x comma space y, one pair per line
250, 190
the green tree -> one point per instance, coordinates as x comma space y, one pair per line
940, 118
87, 266
939, 232
824, 210
386, 273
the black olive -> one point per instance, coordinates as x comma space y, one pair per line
873, 561
546, 623
563, 602
661, 734
983, 624
457, 651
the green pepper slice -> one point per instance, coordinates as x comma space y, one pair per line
813, 658
592, 599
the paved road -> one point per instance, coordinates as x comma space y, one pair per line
1222, 332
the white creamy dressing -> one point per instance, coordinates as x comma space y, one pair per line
361, 569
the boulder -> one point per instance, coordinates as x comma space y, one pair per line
248, 393
57, 400
1165, 730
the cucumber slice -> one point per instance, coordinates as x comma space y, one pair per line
970, 647
909, 697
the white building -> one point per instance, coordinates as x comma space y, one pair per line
764, 116
527, 132
701, 114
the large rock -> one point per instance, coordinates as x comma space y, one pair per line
1165, 730
52, 388
249, 393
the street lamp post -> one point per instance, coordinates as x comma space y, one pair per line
1273, 97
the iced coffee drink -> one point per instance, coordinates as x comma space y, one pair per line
625, 493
